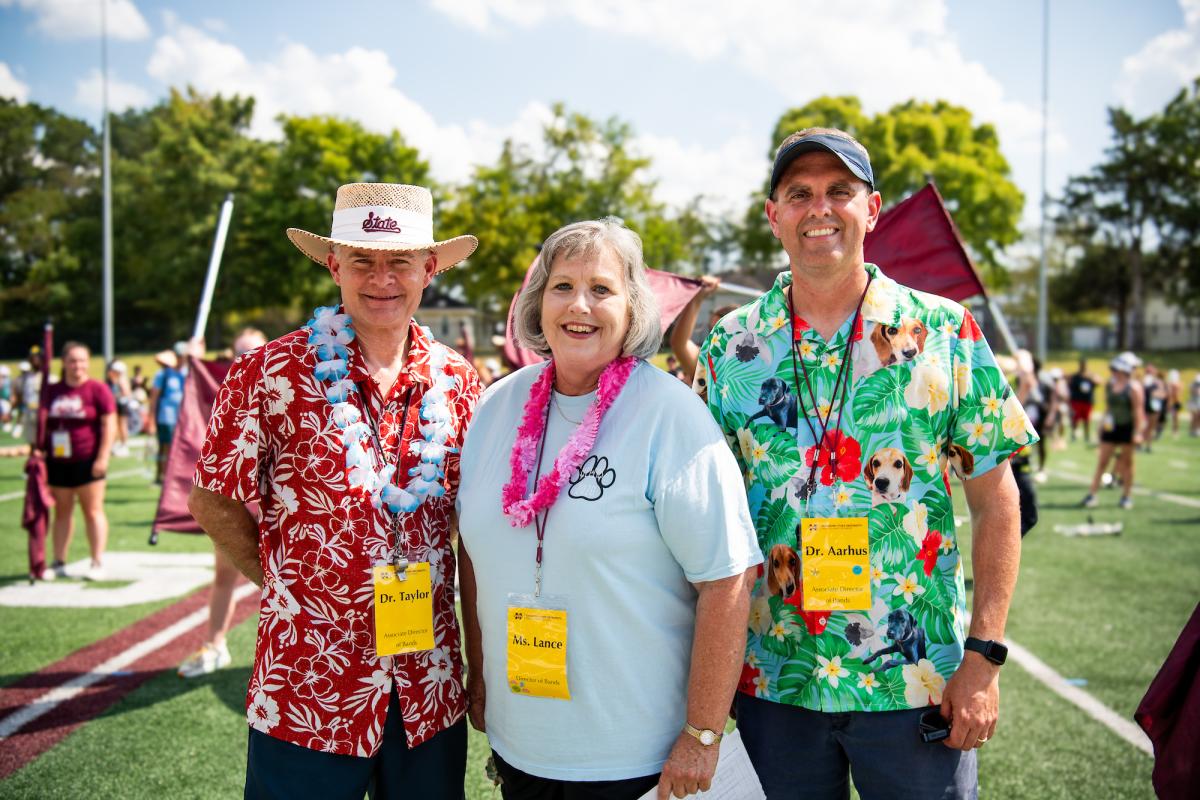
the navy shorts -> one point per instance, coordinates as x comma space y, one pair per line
165, 434
799, 753
433, 770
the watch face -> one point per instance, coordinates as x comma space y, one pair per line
707, 737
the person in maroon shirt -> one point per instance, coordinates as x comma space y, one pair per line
346, 433
80, 430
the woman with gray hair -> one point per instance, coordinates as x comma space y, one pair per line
605, 623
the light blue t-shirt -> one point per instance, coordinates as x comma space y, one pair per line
169, 383
657, 505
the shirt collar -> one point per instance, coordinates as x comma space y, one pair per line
881, 303
416, 365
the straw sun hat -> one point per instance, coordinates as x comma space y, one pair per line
384, 216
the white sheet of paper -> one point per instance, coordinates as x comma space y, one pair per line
735, 778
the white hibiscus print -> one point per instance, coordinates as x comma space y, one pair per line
279, 394
263, 712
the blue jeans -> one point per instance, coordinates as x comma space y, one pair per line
433, 770
799, 753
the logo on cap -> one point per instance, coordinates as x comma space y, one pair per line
373, 223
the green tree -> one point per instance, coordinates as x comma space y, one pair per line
173, 165
1135, 217
908, 142
584, 171
48, 208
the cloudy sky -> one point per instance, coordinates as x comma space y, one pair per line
702, 82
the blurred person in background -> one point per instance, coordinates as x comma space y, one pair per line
1174, 401
1082, 389
28, 395
81, 427
6, 396
166, 394
1155, 393
214, 653
1120, 431
117, 379
682, 347
1194, 405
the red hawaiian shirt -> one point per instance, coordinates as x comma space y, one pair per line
271, 440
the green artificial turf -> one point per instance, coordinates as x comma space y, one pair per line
1105, 610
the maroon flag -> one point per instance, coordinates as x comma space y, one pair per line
1170, 716
35, 514
917, 244
199, 391
673, 292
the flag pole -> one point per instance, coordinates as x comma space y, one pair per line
214, 266
107, 290
1042, 315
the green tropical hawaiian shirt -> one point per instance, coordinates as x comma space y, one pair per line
925, 399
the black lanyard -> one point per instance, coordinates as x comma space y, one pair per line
840, 385
399, 561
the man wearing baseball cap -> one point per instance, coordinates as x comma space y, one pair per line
852, 399
346, 434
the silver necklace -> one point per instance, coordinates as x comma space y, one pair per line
558, 408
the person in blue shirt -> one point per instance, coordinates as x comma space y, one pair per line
166, 395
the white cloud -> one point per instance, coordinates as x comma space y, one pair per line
10, 86
883, 52
1166, 63
89, 93
724, 176
358, 83
80, 19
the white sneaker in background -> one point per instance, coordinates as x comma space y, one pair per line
1040, 476
95, 572
205, 661
59, 569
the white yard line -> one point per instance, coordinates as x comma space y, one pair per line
1190, 502
60, 694
1127, 729
123, 474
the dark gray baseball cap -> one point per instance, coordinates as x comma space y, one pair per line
855, 160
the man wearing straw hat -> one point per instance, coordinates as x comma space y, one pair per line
346, 433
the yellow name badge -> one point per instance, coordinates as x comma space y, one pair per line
836, 563
403, 610
537, 652
60, 444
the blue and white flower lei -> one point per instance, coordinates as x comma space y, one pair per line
329, 334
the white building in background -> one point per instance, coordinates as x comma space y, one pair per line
446, 318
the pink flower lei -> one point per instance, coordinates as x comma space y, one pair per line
521, 510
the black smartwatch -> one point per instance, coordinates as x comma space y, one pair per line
991, 650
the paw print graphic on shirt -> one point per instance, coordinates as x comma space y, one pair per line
591, 479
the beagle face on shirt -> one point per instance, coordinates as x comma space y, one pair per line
889, 476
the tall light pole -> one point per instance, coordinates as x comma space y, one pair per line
1042, 316
107, 185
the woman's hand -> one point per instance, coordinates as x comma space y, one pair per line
689, 768
100, 467
476, 702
